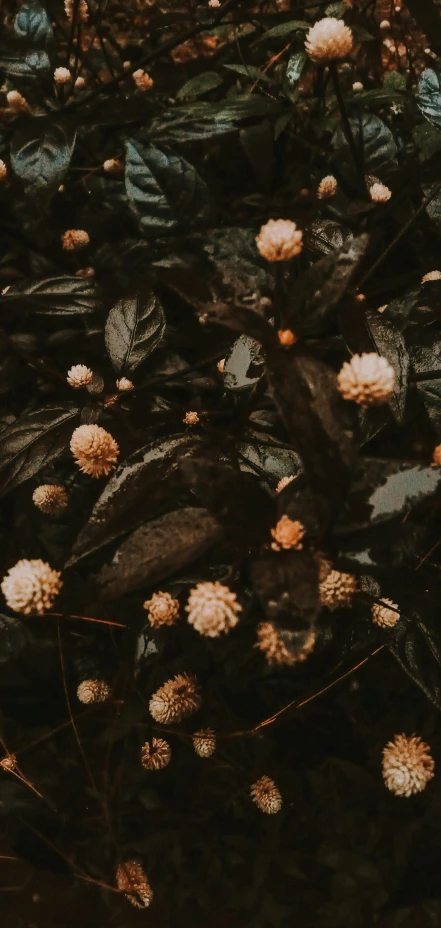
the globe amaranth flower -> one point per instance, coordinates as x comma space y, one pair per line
50, 498
90, 691
266, 795
80, 82
279, 240
357, 86
62, 76
204, 742
214, 4
191, 418
94, 450
212, 609
85, 272
437, 455
132, 881
17, 102
286, 337
337, 589
407, 765
221, 365
431, 275
287, 534
75, 239
124, 385
3, 170
386, 615
273, 647
379, 193
9, 762
31, 586
367, 379
113, 166
327, 187
329, 40
162, 609
82, 12
175, 700
79, 376
142, 80
155, 754
284, 482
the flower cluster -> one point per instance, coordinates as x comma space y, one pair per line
212, 609
407, 765
31, 587
175, 700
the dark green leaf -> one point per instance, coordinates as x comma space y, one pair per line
14, 637
134, 328
17, 63
296, 25
325, 236
250, 72
429, 96
32, 24
374, 141
418, 650
60, 296
199, 85
208, 120
390, 344
40, 155
295, 66
32, 442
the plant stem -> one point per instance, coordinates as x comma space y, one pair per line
357, 157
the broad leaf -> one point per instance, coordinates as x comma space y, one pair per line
199, 85
164, 190
40, 155
14, 637
244, 364
137, 489
18, 63
157, 550
428, 96
60, 296
32, 24
33, 441
134, 328
325, 236
250, 72
375, 142
296, 25
207, 120
418, 649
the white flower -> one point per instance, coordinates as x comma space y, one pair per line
279, 240
327, 187
31, 586
379, 193
79, 376
367, 379
407, 765
62, 75
329, 39
94, 450
212, 609
384, 616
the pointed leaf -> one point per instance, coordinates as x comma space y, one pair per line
40, 154
134, 328
60, 296
429, 96
32, 24
32, 442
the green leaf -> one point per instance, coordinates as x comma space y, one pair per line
17, 63
374, 141
33, 441
427, 138
295, 67
296, 25
164, 189
40, 155
32, 25
134, 328
336, 10
250, 72
59, 296
428, 96
199, 85
394, 81
205, 120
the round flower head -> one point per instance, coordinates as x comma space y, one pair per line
155, 754
94, 450
221, 365
204, 742
79, 376
337, 589
267, 797
113, 166
3, 170
90, 691
191, 418
124, 385
62, 75
132, 881
385, 25
407, 765
273, 647
279, 240
9, 762
384, 616
431, 275
82, 12
379, 193
437, 455
212, 609
162, 609
31, 587
74, 239
50, 498
367, 379
80, 82
357, 86
175, 700
286, 337
85, 272
142, 80
328, 40
16, 102
284, 482
287, 534
214, 4
327, 187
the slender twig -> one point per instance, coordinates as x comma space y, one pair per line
356, 155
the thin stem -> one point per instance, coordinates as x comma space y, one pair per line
358, 160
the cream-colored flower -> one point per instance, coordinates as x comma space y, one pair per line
382, 308
17, 102
94, 450
357, 86
90, 691
279, 240
273, 647
431, 275
437, 455
284, 482
204, 742
31, 586
75, 239
113, 166
367, 379
79, 376
9, 762
82, 13
124, 385
327, 187
50, 498
385, 615
214, 4
337, 589
80, 82
385, 25
155, 754
407, 765
132, 881
175, 700
221, 365
191, 418
85, 272
3, 170
328, 40
142, 80
287, 534
212, 609
162, 609
266, 795
62, 76
379, 193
